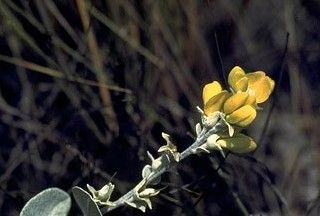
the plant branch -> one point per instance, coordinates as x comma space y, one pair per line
201, 139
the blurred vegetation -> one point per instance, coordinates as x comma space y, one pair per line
87, 87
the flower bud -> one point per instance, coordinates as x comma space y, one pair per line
239, 143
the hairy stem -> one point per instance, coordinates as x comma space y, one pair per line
201, 139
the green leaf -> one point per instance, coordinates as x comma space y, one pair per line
50, 202
85, 202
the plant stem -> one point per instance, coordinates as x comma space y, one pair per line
201, 139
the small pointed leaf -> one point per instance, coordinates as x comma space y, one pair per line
198, 129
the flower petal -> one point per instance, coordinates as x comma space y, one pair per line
260, 85
234, 77
242, 116
211, 90
238, 100
215, 103
271, 82
238, 144
241, 85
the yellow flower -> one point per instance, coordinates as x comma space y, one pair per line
242, 116
256, 84
237, 101
214, 97
239, 143
240, 109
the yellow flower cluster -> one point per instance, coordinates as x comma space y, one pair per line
238, 105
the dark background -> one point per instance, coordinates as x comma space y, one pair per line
87, 89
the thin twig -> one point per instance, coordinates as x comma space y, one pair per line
58, 74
